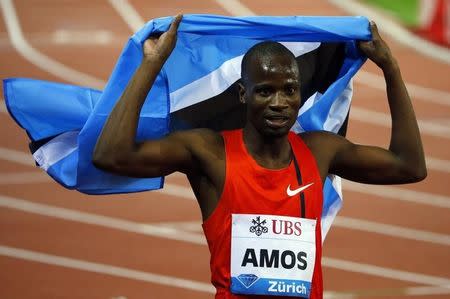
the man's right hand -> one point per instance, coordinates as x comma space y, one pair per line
160, 47
116, 149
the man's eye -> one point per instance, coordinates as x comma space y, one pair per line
264, 92
290, 90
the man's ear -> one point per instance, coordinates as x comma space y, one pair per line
241, 92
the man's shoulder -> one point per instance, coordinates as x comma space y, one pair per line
207, 149
314, 137
200, 140
197, 134
321, 141
319, 135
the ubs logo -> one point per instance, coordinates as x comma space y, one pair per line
286, 227
258, 226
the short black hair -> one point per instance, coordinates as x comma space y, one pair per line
261, 50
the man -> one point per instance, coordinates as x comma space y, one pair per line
263, 174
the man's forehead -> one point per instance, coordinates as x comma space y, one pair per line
274, 65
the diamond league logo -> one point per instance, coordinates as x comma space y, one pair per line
258, 226
247, 280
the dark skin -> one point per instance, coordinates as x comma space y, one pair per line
270, 91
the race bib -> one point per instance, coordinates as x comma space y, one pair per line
272, 255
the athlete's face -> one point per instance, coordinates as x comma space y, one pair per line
272, 93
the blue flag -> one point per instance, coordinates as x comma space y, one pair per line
195, 88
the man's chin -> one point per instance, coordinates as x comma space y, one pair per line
275, 132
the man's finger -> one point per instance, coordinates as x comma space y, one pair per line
175, 23
374, 28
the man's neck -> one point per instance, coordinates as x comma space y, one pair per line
269, 152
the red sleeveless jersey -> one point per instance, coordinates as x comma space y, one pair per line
252, 189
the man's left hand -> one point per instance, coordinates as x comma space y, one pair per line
376, 49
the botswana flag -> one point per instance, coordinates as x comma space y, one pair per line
195, 88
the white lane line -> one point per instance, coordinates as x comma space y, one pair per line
348, 223
178, 191
128, 13
391, 230
337, 295
384, 120
388, 192
99, 220
70, 37
72, 263
398, 193
66, 262
395, 31
21, 178
400, 292
172, 227
438, 164
27, 159
81, 37
422, 291
185, 192
38, 59
235, 7
190, 226
385, 272
416, 91
16, 157
174, 234
3, 106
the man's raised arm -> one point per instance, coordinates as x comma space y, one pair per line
116, 149
404, 161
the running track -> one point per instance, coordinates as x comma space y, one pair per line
389, 241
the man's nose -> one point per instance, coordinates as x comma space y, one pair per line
279, 102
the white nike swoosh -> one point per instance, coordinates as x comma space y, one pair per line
296, 191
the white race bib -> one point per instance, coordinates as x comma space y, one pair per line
272, 255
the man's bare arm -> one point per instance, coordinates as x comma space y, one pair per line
363, 163
404, 161
116, 149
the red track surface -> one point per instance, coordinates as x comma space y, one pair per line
90, 238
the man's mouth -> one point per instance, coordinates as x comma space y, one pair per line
276, 121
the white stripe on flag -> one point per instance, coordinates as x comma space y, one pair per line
333, 210
56, 149
339, 110
208, 86
220, 79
